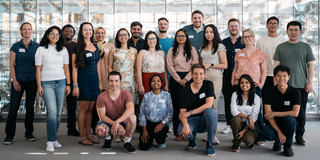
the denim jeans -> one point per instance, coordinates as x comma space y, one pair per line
287, 126
15, 99
53, 96
207, 122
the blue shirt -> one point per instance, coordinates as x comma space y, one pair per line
196, 38
231, 53
156, 108
165, 44
25, 63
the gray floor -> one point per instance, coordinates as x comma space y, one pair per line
71, 150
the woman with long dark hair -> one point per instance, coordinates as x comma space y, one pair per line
151, 60
245, 107
53, 80
180, 57
86, 80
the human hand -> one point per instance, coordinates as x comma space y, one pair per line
159, 127
16, 86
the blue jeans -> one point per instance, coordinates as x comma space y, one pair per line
207, 122
287, 126
53, 96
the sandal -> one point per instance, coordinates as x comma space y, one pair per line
85, 141
93, 140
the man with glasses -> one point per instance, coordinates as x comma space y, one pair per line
164, 40
299, 58
136, 41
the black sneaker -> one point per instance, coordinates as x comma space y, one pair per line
107, 144
300, 142
251, 146
192, 144
235, 148
7, 141
73, 132
129, 148
276, 146
30, 137
288, 151
210, 150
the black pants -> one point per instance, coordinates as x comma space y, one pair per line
301, 119
95, 118
267, 84
71, 111
160, 136
227, 91
15, 99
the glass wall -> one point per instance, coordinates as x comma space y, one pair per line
115, 14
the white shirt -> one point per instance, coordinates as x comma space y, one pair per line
253, 110
269, 45
52, 62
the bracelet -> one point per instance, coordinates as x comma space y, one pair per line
75, 84
248, 117
68, 84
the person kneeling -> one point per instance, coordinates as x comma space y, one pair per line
197, 114
155, 115
245, 107
116, 111
282, 105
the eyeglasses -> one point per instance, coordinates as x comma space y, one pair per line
293, 30
181, 36
52, 34
150, 39
164, 24
245, 37
123, 35
272, 24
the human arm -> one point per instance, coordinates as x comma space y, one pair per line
110, 60
263, 74
139, 62
16, 84
67, 73
194, 59
75, 91
166, 88
170, 66
38, 78
308, 87
99, 75
234, 81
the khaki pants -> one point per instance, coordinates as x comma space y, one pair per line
248, 137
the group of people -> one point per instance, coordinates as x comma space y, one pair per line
159, 80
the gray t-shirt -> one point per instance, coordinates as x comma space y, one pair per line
295, 56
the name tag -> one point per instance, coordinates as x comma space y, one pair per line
106, 50
241, 55
162, 100
237, 49
287, 103
160, 46
22, 50
89, 54
202, 95
190, 36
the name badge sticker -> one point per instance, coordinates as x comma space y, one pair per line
287, 103
89, 55
237, 49
241, 55
22, 50
162, 100
190, 36
202, 95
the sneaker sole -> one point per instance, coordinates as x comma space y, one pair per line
192, 147
7, 143
129, 152
30, 139
211, 155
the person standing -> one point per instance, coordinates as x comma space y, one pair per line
299, 58
136, 41
68, 33
195, 30
233, 44
23, 74
165, 42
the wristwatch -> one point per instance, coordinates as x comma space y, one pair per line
191, 112
212, 65
163, 122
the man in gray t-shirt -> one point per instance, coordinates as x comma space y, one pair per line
299, 58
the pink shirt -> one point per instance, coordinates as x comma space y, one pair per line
114, 108
249, 65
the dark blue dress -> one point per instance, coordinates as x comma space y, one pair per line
88, 80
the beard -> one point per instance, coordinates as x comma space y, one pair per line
163, 31
68, 39
135, 37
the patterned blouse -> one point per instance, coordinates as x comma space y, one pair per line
153, 62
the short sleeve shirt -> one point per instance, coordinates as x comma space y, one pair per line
114, 108
138, 46
154, 62
232, 49
165, 44
196, 38
25, 62
208, 57
191, 101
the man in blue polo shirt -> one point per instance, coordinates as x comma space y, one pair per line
195, 30
282, 105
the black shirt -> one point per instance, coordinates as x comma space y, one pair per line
231, 53
139, 44
191, 101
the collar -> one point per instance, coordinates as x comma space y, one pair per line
31, 43
287, 91
200, 30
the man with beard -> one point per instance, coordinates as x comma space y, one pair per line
68, 32
136, 41
232, 44
195, 30
164, 40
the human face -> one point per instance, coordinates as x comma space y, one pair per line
163, 26
152, 41
87, 31
181, 37
26, 31
209, 34
272, 26
123, 36
245, 85
282, 78
293, 33
198, 75
114, 82
100, 35
136, 31
197, 20
234, 28
54, 36
68, 33
156, 83
248, 38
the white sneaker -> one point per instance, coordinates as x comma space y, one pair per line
50, 147
56, 144
226, 130
216, 140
